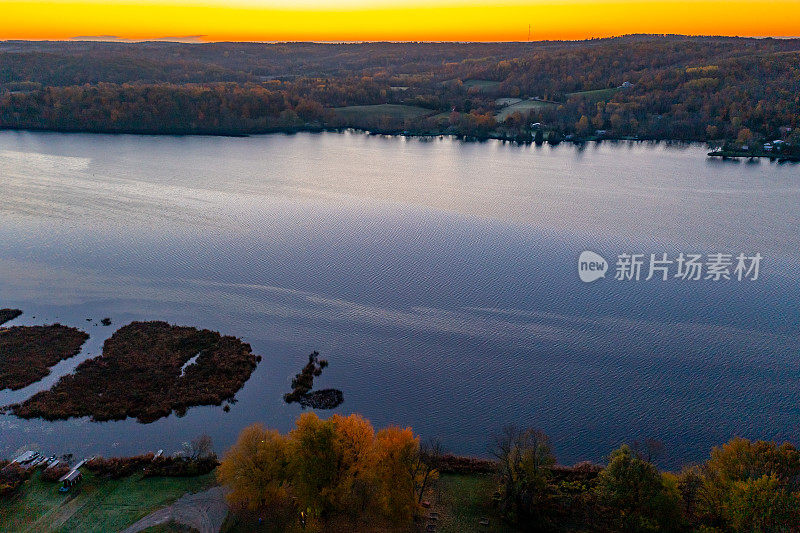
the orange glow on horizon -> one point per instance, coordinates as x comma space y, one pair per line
392, 21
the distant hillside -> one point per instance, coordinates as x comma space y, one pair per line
644, 86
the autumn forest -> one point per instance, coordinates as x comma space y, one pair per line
641, 87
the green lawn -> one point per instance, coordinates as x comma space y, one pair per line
482, 85
523, 107
101, 505
507, 101
596, 95
356, 113
441, 118
95, 505
462, 501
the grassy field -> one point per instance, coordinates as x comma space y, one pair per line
462, 501
95, 505
101, 505
357, 113
482, 85
595, 96
522, 107
444, 118
507, 101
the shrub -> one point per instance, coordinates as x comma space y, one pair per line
180, 466
54, 473
11, 478
119, 467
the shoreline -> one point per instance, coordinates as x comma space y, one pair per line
714, 153
386, 133
733, 154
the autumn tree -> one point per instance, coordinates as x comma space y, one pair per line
354, 448
745, 136
426, 466
313, 463
638, 496
583, 126
742, 477
525, 458
689, 483
255, 468
397, 453
762, 505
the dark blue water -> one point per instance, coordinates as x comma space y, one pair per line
438, 277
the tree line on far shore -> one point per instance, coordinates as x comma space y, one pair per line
647, 87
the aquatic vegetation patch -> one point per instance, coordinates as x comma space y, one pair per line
322, 399
8, 314
303, 382
28, 352
141, 374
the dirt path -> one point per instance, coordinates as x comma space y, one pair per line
204, 511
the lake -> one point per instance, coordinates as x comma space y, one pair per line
438, 277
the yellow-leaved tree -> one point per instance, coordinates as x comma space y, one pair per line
255, 468
354, 445
313, 464
325, 468
397, 451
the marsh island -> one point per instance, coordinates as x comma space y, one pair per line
28, 352
148, 370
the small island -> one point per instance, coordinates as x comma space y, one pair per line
148, 370
303, 382
28, 352
8, 314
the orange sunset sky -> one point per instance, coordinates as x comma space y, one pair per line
431, 20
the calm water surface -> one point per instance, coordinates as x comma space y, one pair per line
439, 278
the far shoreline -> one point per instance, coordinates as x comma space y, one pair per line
373, 133
715, 153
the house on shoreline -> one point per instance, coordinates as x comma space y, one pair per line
71, 478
